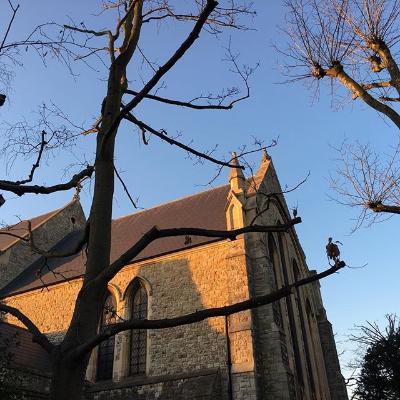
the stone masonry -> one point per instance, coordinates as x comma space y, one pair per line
18, 255
281, 351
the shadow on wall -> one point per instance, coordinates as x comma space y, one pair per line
184, 362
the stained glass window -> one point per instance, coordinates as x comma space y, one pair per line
105, 354
138, 345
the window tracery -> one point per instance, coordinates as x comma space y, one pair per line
138, 337
105, 352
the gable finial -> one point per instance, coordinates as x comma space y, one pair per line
76, 196
264, 164
265, 155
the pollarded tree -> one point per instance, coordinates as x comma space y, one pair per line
121, 103
353, 44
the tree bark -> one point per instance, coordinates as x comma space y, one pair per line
69, 375
68, 380
337, 72
388, 62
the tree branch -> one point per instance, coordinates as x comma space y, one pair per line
14, 12
36, 165
122, 21
201, 315
275, 195
88, 31
14, 235
29, 239
388, 61
338, 72
125, 188
163, 136
391, 99
20, 190
49, 254
186, 104
183, 48
38, 337
155, 233
373, 85
383, 208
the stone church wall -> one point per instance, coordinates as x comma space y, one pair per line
278, 351
208, 276
278, 373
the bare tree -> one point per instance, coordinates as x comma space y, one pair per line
353, 45
351, 42
366, 181
116, 48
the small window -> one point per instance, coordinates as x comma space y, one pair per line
105, 354
138, 342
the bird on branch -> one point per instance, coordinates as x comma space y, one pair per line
332, 250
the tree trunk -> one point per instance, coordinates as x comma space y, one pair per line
68, 381
69, 375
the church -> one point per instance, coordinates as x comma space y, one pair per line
281, 351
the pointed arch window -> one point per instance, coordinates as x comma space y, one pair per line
138, 337
273, 254
290, 310
310, 319
299, 304
105, 353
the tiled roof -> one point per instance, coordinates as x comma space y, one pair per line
202, 210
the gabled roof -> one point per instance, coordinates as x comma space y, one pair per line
21, 228
202, 210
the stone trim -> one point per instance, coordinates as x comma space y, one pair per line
242, 367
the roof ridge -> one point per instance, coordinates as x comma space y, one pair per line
49, 214
170, 202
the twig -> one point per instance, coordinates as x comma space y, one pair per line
125, 188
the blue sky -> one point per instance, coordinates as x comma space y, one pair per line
307, 128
